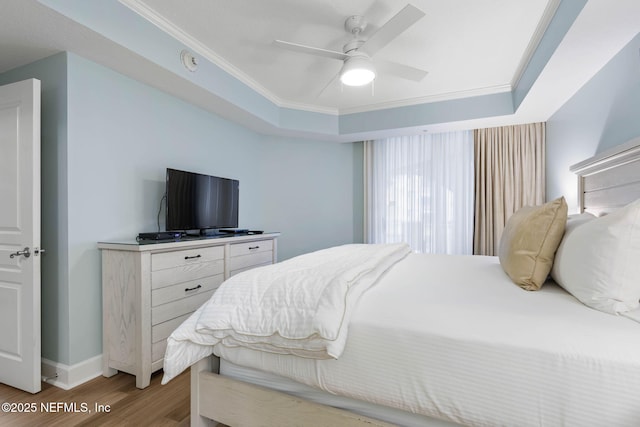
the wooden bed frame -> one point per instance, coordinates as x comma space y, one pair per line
610, 179
236, 403
605, 182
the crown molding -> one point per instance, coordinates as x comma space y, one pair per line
139, 7
174, 31
447, 96
146, 12
543, 24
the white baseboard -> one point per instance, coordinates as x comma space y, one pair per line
68, 377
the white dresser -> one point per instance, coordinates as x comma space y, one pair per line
150, 289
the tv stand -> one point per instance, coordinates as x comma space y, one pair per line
149, 289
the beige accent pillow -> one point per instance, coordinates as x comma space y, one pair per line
529, 242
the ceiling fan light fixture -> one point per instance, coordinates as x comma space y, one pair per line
357, 71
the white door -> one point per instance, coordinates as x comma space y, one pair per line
20, 235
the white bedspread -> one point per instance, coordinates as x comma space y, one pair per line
450, 337
301, 306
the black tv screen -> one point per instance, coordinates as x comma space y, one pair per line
199, 202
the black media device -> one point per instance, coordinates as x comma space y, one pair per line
200, 202
234, 230
160, 235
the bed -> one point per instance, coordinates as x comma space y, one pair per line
438, 340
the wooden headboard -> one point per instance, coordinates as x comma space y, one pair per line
610, 179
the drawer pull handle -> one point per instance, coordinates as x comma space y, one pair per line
253, 247
193, 257
192, 289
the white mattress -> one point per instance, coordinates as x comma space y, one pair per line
451, 337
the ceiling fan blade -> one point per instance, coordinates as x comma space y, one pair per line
311, 50
400, 70
392, 29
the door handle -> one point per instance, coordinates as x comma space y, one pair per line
24, 252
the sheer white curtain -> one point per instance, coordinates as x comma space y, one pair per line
420, 190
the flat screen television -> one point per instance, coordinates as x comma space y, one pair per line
200, 202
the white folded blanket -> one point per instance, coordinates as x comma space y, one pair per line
301, 306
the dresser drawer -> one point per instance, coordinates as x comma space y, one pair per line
174, 309
184, 273
161, 261
246, 262
181, 290
158, 349
241, 249
160, 333
244, 256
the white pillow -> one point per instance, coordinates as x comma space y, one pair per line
598, 260
580, 218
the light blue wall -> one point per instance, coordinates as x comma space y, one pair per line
314, 190
117, 137
602, 114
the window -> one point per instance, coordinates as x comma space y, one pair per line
420, 190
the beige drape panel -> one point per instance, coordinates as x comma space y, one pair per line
510, 174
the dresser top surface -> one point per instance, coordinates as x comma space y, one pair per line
184, 242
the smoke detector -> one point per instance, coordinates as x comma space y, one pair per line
189, 61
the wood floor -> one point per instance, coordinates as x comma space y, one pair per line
87, 404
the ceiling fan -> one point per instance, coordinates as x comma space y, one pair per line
358, 68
